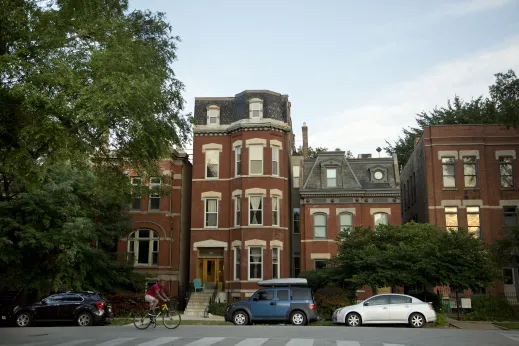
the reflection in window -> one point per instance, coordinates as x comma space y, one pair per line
136, 201
473, 222
275, 211
345, 221
451, 218
449, 171
211, 163
155, 194
319, 225
506, 170
469, 171
381, 219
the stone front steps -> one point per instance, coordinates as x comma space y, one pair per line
198, 301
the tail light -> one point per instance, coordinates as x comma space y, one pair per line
312, 306
100, 305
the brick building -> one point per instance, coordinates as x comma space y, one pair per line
338, 192
465, 176
159, 244
240, 215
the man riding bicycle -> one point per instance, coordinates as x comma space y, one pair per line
155, 293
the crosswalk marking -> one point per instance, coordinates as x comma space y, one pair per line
205, 342
115, 342
74, 342
347, 343
252, 342
300, 342
158, 341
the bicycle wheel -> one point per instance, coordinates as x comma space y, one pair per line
141, 320
206, 312
171, 319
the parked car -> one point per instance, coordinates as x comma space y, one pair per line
85, 308
281, 300
387, 308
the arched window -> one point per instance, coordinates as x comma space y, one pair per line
345, 221
143, 247
381, 219
320, 225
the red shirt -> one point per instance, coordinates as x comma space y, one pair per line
152, 291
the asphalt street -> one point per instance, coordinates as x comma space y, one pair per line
252, 336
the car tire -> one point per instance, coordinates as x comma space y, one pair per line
23, 319
353, 319
84, 319
298, 318
240, 318
416, 320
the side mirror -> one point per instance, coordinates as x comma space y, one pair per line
255, 299
366, 303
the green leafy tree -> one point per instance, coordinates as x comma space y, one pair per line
502, 107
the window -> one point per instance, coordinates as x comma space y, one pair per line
275, 160
275, 263
213, 114
255, 263
256, 109
211, 212
449, 171
378, 300
237, 208
296, 221
237, 169
506, 170
275, 211
331, 177
397, 299
319, 225
297, 265
155, 194
282, 294
345, 221
473, 222
508, 273
237, 255
143, 247
469, 171
381, 219
212, 158
451, 218
256, 159
295, 175
264, 295
136, 201
319, 264
510, 216
255, 210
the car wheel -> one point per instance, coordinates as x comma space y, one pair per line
298, 318
84, 319
416, 320
240, 318
353, 319
23, 319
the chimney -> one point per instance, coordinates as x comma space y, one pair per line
305, 141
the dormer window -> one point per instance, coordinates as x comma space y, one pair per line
256, 108
213, 115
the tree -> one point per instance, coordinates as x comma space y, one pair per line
312, 153
506, 249
502, 107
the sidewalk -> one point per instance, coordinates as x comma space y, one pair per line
474, 325
201, 318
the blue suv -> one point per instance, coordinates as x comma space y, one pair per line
281, 300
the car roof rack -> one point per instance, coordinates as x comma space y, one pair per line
286, 282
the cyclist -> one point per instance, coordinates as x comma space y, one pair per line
153, 295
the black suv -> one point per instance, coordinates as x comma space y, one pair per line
282, 300
85, 308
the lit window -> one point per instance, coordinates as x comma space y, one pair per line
473, 222
449, 171
319, 225
255, 210
451, 218
143, 247
212, 158
331, 177
469, 171
381, 219
255, 262
256, 159
506, 170
211, 212
275, 263
155, 194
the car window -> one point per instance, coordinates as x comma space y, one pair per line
396, 299
71, 298
282, 294
301, 293
54, 298
265, 295
381, 300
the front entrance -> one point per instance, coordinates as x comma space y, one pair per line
210, 267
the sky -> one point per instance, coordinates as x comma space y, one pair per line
356, 72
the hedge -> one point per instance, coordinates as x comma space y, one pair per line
330, 298
124, 303
217, 308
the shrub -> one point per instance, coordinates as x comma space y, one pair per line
317, 279
217, 308
124, 303
492, 308
330, 298
429, 298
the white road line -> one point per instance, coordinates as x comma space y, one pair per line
158, 341
115, 342
74, 342
347, 343
300, 342
511, 336
205, 342
252, 342
34, 343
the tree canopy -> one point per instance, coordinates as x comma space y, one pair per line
501, 107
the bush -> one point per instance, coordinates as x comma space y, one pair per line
124, 303
330, 298
217, 308
429, 298
317, 279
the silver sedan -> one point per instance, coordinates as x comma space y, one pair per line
387, 308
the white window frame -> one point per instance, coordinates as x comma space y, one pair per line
375, 218
275, 160
261, 147
256, 105
325, 225
154, 195
328, 179
447, 161
249, 262
133, 241
237, 209
135, 195
236, 263
206, 212
262, 209
339, 220
207, 155
213, 112
237, 161
276, 264
474, 210
452, 211
277, 211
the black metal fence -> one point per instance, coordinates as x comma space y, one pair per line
481, 305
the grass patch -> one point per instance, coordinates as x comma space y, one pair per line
509, 325
120, 322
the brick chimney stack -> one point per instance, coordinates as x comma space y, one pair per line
305, 141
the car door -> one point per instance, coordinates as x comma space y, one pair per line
47, 309
263, 305
399, 307
282, 302
68, 305
376, 309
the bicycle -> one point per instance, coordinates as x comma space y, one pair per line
170, 318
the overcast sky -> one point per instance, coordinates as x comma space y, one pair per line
355, 71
